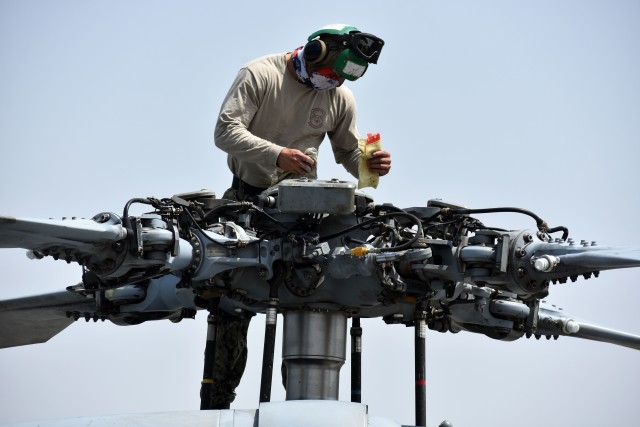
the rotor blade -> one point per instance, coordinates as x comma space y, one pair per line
606, 259
36, 319
553, 322
38, 234
599, 333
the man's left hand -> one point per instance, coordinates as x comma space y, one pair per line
380, 163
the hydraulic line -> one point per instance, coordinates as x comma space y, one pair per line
542, 224
406, 245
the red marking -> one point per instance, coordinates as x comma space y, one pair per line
421, 382
373, 137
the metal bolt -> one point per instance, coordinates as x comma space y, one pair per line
103, 218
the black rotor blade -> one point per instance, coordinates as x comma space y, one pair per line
553, 322
36, 319
598, 333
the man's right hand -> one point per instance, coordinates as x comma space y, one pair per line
292, 160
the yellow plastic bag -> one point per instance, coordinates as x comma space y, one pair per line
367, 146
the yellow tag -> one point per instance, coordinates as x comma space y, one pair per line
359, 251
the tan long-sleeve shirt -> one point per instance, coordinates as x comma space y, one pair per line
267, 109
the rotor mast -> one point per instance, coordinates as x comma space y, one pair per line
314, 350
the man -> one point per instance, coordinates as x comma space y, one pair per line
277, 113
281, 105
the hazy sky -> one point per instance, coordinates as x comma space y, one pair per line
484, 103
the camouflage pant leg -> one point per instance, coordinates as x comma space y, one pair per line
283, 371
231, 349
230, 360
231, 194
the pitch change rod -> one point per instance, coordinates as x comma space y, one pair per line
269, 344
420, 367
356, 360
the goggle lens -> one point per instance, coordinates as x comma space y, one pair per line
367, 45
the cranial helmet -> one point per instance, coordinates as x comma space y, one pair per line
356, 49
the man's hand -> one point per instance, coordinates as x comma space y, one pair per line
292, 160
380, 163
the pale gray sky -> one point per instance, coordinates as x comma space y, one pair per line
493, 103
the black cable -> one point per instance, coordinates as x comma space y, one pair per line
565, 231
346, 240
125, 211
542, 225
270, 218
245, 205
401, 247
223, 208
539, 221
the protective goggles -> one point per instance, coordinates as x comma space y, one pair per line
360, 50
365, 45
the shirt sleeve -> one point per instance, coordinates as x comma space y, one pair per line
344, 136
232, 134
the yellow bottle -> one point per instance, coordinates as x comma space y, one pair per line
367, 147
